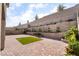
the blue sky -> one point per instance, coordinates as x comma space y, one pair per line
21, 12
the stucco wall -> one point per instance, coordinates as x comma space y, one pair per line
57, 36
64, 26
14, 32
66, 14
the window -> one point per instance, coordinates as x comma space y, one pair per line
54, 23
70, 19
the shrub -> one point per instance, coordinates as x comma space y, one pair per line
69, 51
73, 44
74, 48
37, 34
71, 34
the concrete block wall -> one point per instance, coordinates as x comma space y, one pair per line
14, 32
64, 26
57, 36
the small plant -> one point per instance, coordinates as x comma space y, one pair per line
40, 30
16, 29
69, 51
37, 34
75, 48
49, 30
24, 31
58, 29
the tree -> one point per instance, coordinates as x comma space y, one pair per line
7, 4
60, 8
36, 17
19, 23
28, 25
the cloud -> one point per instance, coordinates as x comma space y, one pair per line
14, 5
18, 4
54, 10
40, 5
15, 19
43, 14
26, 15
68, 5
12, 20
48, 13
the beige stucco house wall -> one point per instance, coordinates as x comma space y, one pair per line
64, 20
61, 18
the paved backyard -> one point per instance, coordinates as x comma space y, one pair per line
45, 47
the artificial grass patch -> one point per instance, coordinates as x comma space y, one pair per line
27, 40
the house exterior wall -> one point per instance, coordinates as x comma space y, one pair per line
64, 26
14, 31
64, 20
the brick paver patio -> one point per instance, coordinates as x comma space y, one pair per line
45, 47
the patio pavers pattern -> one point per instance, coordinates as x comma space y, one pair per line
45, 47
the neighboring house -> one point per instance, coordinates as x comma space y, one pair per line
58, 22
63, 19
15, 30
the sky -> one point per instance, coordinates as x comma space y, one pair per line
21, 12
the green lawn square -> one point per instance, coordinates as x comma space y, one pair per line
27, 40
